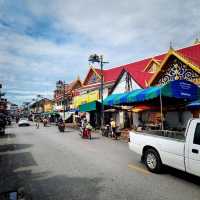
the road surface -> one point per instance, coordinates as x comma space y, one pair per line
51, 165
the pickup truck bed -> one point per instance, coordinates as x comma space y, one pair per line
168, 146
175, 149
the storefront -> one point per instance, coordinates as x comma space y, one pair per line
92, 110
167, 104
194, 107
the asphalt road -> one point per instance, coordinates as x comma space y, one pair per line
51, 165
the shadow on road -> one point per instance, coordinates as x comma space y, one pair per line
62, 187
95, 138
11, 168
182, 175
8, 135
13, 147
16, 172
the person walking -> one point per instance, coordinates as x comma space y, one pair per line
113, 127
37, 125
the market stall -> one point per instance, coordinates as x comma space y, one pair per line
169, 104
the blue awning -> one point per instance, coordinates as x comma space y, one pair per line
179, 89
194, 104
111, 98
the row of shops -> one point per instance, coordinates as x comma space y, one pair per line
161, 92
168, 106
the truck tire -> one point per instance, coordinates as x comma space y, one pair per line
152, 161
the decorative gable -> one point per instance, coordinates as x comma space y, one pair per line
175, 69
92, 77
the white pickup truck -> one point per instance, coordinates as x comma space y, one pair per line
182, 153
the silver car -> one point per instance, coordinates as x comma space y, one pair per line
23, 122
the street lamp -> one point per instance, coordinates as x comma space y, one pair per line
61, 85
99, 59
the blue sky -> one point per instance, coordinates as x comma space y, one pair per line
42, 41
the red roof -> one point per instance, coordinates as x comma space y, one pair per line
160, 58
136, 69
110, 74
192, 53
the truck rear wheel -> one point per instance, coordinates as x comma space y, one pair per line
152, 161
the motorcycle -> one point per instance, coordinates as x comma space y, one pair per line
86, 132
107, 132
45, 122
61, 126
116, 133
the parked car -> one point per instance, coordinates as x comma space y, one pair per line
169, 149
23, 122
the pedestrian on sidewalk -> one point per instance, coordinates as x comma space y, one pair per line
37, 125
113, 127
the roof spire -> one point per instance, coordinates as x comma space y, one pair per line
197, 40
170, 45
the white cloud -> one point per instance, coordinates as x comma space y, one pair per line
121, 30
122, 22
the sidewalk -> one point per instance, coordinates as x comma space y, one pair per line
123, 137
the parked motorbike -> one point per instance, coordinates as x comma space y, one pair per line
107, 131
117, 133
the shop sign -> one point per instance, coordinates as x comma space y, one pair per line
86, 98
184, 89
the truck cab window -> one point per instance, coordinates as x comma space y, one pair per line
197, 135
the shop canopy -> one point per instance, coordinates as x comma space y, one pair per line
140, 108
194, 104
179, 89
91, 106
51, 113
114, 99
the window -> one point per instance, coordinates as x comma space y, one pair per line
93, 79
197, 135
153, 68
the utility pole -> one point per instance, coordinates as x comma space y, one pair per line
64, 100
99, 59
102, 106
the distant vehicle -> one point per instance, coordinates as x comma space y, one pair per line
9, 120
169, 149
2, 123
23, 122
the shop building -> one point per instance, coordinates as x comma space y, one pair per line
87, 98
63, 97
182, 64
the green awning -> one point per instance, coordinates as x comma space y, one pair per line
51, 113
87, 107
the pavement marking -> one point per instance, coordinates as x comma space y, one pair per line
139, 169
